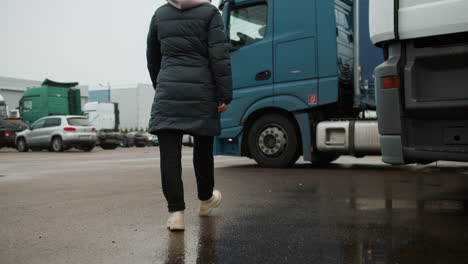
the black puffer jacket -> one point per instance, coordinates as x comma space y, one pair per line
189, 64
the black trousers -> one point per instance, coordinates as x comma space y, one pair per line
170, 147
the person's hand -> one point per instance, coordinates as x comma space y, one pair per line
222, 107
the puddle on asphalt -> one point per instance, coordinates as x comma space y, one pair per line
176, 248
194, 246
381, 231
353, 220
369, 204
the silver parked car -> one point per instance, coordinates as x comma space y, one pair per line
58, 133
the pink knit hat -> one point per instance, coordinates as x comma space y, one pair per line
186, 4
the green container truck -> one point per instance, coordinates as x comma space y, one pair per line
52, 98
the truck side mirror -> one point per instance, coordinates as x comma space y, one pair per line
233, 48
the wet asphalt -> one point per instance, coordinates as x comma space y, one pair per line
107, 207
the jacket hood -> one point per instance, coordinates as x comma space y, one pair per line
187, 4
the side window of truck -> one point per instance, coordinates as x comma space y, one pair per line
247, 24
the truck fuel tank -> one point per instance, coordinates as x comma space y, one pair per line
358, 138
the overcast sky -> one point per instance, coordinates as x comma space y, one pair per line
89, 41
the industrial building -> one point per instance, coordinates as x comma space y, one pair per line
12, 90
134, 101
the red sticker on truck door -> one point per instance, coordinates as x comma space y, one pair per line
313, 100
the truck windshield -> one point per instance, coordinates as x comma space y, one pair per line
77, 121
27, 105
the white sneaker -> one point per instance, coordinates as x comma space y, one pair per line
175, 222
207, 206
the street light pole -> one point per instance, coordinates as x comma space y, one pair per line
109, 91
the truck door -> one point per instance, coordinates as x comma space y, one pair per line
30, 108
295, 50
251, 35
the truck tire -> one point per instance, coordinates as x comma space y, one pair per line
323, 159
87, 148
57, 144
22, 146
124, 143
273, 141
109, 146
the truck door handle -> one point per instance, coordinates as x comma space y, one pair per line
263, 76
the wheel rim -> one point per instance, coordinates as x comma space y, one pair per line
56, 144
272, 141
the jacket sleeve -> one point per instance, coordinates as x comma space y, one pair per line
220, 61
153, 52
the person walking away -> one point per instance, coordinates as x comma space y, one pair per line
190, 68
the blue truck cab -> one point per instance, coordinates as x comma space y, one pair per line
294, 65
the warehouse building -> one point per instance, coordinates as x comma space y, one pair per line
12, 90
134, 101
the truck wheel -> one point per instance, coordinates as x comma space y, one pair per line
124, 143
87, 148
22, 146
323, 159
273, 141
57, 144
108, 147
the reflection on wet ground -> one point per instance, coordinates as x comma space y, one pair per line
176, 248
342, 214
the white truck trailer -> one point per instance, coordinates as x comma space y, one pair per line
105, 117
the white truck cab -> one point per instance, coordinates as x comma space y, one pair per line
3, 107
409, 19
422, 87
105, 117
102, 115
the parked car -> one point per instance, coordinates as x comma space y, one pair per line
58, 133
9, 127
140, 139
128, 141
153, 139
